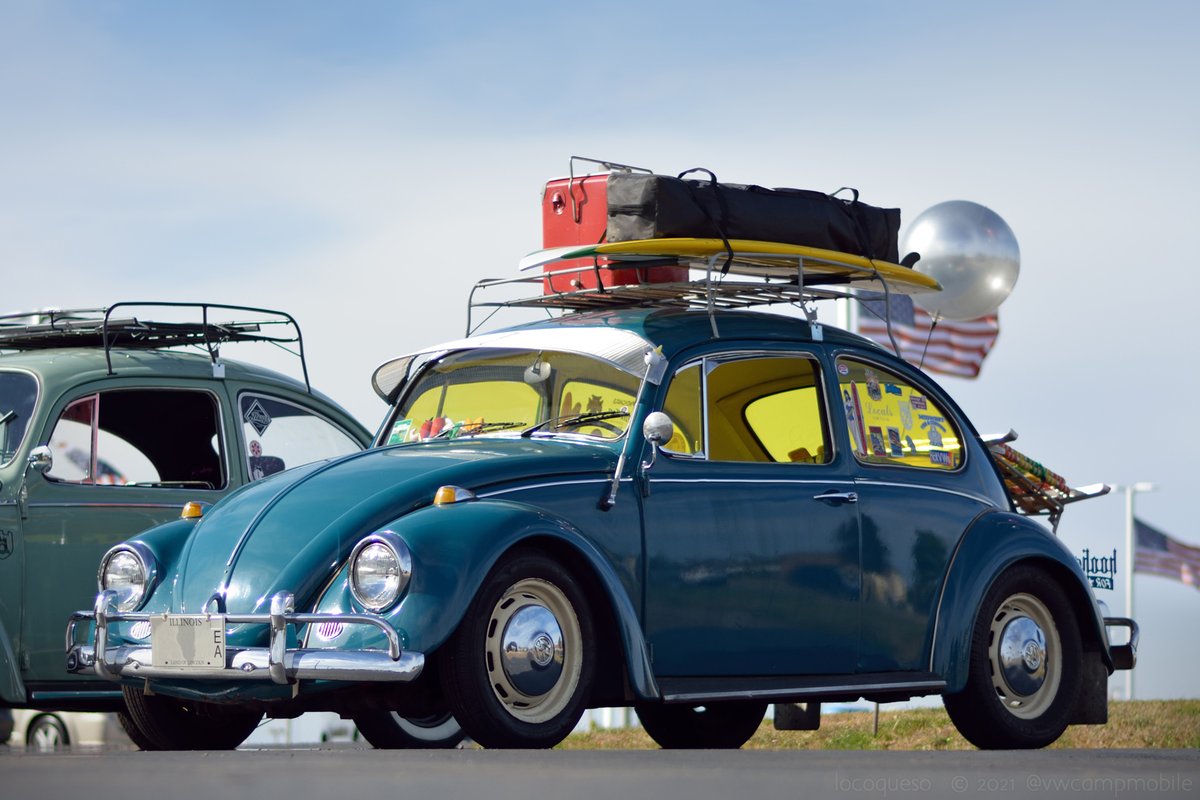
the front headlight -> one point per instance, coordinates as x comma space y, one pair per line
129, 570
380, 567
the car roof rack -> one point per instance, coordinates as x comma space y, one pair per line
1035, 490
737, 274
101, 327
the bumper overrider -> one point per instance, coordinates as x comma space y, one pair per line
276, 662
1124, 656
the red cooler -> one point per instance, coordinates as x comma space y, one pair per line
575, 212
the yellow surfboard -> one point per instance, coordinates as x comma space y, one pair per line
752, 258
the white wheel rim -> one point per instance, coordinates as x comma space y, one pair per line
1025, 656
533, 651
46, 737
429, 729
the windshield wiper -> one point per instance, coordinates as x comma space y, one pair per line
572, 420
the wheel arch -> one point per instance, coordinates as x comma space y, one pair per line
455, 546
996, 543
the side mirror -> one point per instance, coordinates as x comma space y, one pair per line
658, 429
41, 459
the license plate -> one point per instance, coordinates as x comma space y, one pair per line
188, 641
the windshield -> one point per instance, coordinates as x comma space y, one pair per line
18, 393
506, 392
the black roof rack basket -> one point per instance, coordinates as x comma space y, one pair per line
101, 327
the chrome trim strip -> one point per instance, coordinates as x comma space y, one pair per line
987, 501
934, 687
758, 481
111, 505
524, 487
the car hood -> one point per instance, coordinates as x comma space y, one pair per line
292, 531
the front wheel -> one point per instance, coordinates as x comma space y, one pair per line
725, 726
155, 722
1024, 665
519, 669
387, 730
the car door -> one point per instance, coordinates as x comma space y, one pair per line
916, 498
125, 458
751, 530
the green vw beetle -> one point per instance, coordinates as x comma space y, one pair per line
692, 512
108, 426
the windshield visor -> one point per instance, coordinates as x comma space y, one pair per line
18, 394
505, 392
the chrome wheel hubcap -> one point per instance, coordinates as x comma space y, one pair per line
1023, 650
533, 651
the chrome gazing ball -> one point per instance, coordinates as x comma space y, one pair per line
971, 251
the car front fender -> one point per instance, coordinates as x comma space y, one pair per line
454, 547
993, 543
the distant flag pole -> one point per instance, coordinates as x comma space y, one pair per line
1130, 549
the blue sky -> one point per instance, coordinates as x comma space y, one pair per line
362, 164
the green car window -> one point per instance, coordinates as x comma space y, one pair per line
112, 438
280, 434
18, 394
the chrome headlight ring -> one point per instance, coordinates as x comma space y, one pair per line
131, 570
380, 568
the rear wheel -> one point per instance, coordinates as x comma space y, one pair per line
725, 726
387, 730
154, 722
519, 669
1024, 665
47, 732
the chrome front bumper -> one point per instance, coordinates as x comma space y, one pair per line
275, 662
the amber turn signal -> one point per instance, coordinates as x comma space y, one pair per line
192, 510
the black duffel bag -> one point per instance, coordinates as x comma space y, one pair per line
660, 207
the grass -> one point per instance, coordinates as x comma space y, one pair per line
1137, 724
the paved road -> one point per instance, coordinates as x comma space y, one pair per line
346, 771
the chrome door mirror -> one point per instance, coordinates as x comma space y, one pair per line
41, 459
658, 429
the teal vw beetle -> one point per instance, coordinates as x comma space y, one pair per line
693, 512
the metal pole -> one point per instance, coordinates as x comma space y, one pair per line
1130, 547
1129, 544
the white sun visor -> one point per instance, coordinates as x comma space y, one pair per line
621, 348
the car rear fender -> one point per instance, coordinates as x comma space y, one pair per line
455, 546
995, 542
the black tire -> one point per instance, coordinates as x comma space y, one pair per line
154, 722
47, 732
723, 726
387, 730
1024, 667
519, 669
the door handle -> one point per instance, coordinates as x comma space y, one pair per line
837, 498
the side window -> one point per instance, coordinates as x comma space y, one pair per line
144, 437
763, 409
279, 434
894, 422
684, 406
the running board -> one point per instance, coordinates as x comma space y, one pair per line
881, 686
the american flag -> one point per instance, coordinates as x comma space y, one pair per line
955, 347
1156, 553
